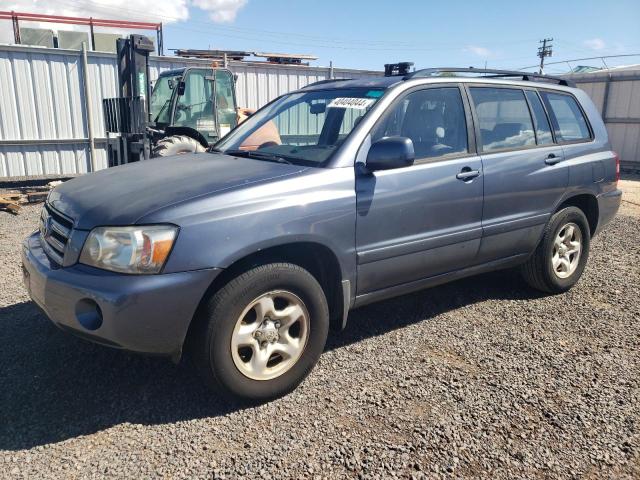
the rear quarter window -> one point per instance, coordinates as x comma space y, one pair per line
567, 118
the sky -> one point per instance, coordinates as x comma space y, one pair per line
368, 34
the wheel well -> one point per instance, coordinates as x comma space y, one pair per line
317, 259
589, 206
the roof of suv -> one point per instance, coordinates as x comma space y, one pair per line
451, 74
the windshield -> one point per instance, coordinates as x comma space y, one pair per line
302, 128
159, 106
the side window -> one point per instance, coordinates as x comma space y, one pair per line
504, 118
433, 119
567, 118
225, 104
540, 120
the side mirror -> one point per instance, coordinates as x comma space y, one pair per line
390, 152
181, 87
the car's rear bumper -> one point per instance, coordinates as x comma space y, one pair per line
143, 313
608, 205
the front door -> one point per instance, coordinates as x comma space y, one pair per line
423, 220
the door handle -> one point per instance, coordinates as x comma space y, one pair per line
467, 174
552, 159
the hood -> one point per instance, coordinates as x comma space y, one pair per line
122, 195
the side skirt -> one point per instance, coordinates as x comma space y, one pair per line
410, 287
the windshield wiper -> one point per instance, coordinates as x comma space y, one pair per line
269, 157
166, 103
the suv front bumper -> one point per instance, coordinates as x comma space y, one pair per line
142, 313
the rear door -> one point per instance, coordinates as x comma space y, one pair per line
524, 172
425, 219
573, 132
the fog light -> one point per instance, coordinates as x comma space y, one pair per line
88, 314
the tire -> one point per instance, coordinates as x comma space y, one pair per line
550, 273
176, 145
227, 316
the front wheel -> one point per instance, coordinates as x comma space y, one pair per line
261, 334
560, 258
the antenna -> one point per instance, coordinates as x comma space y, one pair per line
546, 50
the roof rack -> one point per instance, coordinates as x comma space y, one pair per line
489, 73
393, 69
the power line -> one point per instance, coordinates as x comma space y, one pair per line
284, 38
599, 57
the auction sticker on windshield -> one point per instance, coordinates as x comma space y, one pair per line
351, 102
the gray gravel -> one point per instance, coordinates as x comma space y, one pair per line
480, 378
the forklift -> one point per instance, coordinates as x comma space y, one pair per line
186, 111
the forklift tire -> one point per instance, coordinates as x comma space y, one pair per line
176, 145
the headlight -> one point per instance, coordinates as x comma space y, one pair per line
143, 249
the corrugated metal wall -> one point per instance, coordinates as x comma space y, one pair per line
43, 115
616, 93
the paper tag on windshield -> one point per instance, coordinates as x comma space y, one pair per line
351, 102
224, 129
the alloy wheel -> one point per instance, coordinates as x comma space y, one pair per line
270, 335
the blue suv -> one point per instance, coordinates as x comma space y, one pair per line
342, 193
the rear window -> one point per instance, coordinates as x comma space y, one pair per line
568, 120
503, 117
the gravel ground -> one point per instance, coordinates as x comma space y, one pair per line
479, 378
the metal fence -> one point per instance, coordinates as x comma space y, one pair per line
616, 93
51, 105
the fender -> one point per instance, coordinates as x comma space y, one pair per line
574, 192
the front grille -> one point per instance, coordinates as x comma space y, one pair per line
55, 230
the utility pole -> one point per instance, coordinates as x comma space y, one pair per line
546, 50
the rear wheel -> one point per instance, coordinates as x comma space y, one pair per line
176, 145
261, 334
560, 258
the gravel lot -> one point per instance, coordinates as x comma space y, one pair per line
483, 377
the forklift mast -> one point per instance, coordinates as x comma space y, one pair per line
128, 114
133, 67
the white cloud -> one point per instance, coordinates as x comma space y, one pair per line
479, 51
596, 44
165, 11
221, 11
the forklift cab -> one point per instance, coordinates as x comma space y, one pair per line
194, 101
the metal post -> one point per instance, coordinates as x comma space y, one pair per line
160, 40
330, 69
225, 60
93, 38
605, 100
88, 107
16, 28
